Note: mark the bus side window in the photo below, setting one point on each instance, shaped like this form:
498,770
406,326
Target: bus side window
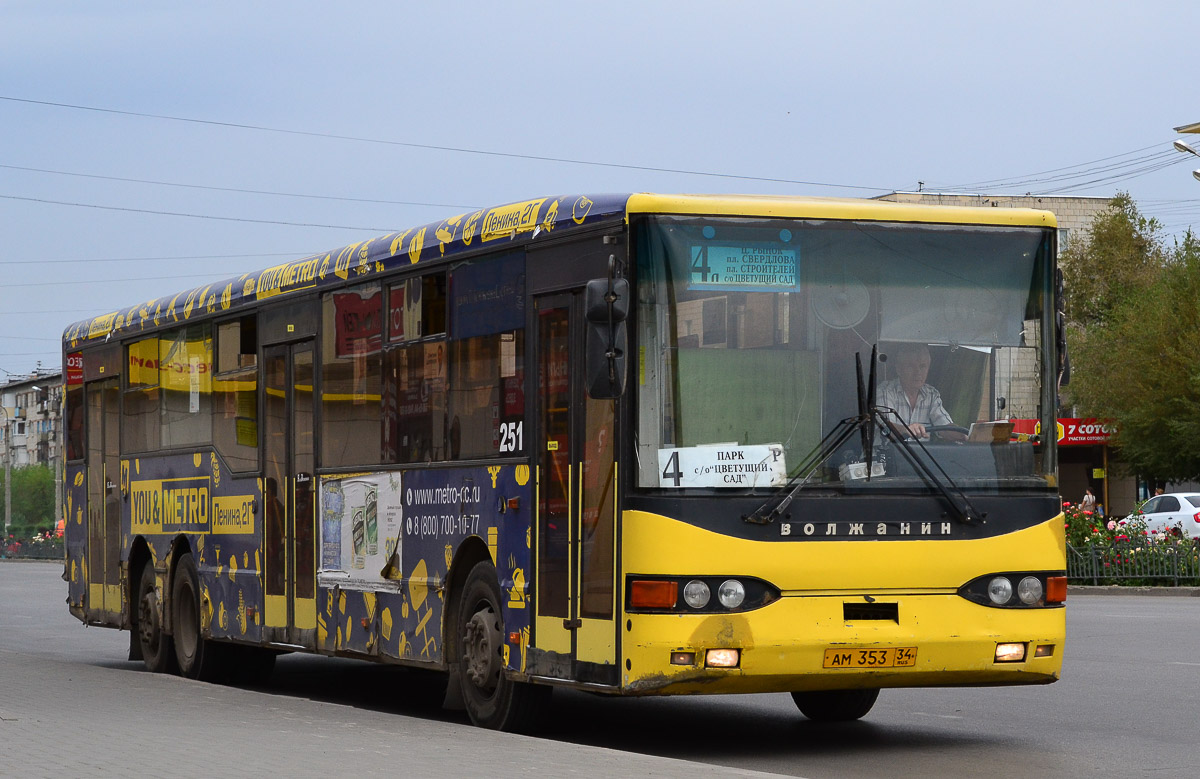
351,356
140,422
185,361
414,371
235,393
74,407
487,358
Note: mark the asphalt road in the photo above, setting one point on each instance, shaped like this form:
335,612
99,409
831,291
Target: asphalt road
71,705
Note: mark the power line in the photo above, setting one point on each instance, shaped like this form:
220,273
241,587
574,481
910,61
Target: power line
157,259
1033,177
196,216
1132,169
71,311
1124,176
1132,164
1127,169
434,147
61,283
235,189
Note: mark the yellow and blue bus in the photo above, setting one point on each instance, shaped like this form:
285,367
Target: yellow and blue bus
632,444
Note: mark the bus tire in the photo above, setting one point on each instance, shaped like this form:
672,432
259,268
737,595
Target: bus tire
197,658
158,650
492,699
835,705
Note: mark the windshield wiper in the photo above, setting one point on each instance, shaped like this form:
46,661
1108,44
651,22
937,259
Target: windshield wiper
831,443
964,510
869,419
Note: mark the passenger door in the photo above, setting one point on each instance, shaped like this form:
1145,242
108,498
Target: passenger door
289,495
105,598
576,506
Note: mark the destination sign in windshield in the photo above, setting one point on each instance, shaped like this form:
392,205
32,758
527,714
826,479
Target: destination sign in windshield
746,267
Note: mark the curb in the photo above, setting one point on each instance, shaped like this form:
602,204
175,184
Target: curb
1116,589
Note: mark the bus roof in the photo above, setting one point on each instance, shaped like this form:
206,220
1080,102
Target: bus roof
468,232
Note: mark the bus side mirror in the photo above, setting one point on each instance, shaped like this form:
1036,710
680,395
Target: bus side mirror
605,307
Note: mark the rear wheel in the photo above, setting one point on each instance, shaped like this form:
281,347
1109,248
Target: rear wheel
158,651
835,705
492,699
197,658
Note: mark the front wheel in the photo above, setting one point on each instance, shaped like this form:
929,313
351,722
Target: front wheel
835,705
492,699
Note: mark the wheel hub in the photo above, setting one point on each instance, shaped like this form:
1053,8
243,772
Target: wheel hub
148,629
481,649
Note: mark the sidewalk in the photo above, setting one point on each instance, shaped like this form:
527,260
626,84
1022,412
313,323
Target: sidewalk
1116,589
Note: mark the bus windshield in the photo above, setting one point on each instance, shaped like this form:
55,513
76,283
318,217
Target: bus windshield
749,333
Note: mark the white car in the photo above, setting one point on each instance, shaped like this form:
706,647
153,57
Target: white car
1163,512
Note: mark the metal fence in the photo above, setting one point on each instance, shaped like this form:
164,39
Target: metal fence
47,550
1165,562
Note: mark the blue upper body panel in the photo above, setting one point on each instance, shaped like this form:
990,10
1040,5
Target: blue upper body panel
458,235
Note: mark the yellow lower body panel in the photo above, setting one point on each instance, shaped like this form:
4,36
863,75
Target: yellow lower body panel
785,646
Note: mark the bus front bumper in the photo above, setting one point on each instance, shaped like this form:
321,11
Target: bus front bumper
803,642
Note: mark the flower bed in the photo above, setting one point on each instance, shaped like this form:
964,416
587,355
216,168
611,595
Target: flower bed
1123,551
43,546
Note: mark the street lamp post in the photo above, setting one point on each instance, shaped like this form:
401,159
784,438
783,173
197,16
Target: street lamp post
7,470
1187,149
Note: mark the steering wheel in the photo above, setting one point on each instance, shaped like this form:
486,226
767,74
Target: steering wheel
931,429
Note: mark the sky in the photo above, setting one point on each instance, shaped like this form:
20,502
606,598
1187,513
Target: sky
147,148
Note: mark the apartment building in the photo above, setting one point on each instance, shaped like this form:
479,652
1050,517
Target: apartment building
30,419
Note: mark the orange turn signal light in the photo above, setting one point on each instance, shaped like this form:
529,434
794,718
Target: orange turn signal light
653,594
1056,589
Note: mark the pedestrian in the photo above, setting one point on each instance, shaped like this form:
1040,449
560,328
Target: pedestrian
1088,504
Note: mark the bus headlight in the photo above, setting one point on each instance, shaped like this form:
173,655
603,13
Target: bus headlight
1030,591
999,590
696,594
1033,590
731,593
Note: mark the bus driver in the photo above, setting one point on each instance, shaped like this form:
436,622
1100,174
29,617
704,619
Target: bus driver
918,404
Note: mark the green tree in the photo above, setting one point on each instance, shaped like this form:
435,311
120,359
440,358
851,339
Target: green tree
32,497
1121,255
1135,323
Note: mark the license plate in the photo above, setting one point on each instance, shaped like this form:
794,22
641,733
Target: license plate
884,657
